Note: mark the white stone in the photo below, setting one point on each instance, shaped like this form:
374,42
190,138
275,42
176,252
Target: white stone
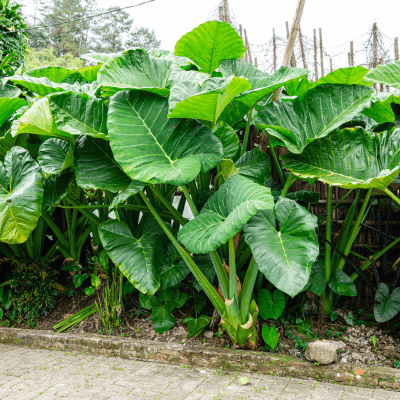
322,352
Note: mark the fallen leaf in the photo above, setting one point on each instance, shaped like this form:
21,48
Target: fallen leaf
244,380
359,371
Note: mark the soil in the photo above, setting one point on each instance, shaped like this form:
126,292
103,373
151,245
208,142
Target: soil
137,323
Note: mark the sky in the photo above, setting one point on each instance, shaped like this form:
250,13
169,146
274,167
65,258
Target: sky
340,20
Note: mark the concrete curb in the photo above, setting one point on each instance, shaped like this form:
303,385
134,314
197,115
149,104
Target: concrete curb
203,357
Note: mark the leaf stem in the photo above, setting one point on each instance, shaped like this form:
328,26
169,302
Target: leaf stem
292,179
328,234
232,271
190,201
246,134
276,162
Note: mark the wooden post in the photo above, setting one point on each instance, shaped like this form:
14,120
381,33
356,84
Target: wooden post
321,49
352,54
375,49
315,57
291,42
226,11
255,62
221,13
349,57
396,49
293,62
247,45
241,31
303,53
381,85
331,64
274,44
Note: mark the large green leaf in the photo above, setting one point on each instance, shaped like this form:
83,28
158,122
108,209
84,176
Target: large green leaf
90,73
342,284
317,283
381,109
21,196
284,254
389,305
234,113
137,259
161,314
350,158
270,335
262,83
99,57
210,43
133,188
9,106
135,69
172,271
344,76
312,115
388,74
56,187
179,75
95,166
38,120
229,139
7,141
55,155
79,114
224,214
205,102
151,148
254,165
271,306
54,74
9,91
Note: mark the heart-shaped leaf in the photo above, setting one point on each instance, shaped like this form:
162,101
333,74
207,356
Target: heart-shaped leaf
312,115
229,139
154,149
207,101
21,196
95,167
388,74
135,69
137,259
318,278
389,305
78,279
54,74
342,285
271,306
224,214
196,325
210,43
90,73
79,114
89,290
9,102
171,271
285,254
262,84
270,335
161,315
350,158
56,187
55,155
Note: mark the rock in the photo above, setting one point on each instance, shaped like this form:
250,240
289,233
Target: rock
153,334
337,343
321,352
208,334
181,331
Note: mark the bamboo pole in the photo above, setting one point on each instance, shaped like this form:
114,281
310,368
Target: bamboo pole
303,53
396,49
241,31
321,49
331,65
293,62
381,85
248,51
291,42
274,44
315,57
375,49
255,62
352,53
226,11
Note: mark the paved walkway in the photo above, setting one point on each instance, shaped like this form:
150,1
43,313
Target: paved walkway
50,375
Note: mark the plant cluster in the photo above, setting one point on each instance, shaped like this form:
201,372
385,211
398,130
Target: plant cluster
112,146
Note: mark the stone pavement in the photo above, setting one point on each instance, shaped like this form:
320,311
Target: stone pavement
49,375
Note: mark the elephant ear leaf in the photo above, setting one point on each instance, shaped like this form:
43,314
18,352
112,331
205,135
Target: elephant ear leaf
344,76
207,101
312,115
210,43
151,148
21,196
54,74
224,214
229,139
285,254
171,271
56,187
135,69
137,259
55,155
271,306
388,74
96,168
79,114
342,285
372,160
262,84
9,102
389,305
317,283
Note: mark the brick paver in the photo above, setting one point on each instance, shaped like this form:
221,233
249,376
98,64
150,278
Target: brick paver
49,375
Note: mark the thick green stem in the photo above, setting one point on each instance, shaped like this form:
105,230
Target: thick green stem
89,215
232,271
211,293
29,247
354,231
292,179
276,162
59,235
246,134
392,195
190,201
177,217
247,290
328,234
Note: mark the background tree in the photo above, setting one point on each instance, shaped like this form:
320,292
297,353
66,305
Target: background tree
12,42
112,30
143,37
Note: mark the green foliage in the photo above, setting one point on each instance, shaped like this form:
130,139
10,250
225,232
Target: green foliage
271,306
196,325
34,289
270,335
45,57
388,305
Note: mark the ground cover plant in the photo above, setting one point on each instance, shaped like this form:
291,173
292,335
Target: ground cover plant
99,166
